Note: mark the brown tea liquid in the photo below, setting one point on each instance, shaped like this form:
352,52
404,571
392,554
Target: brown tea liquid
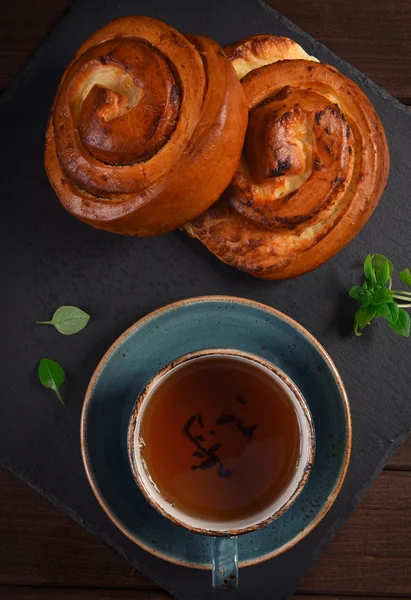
221,439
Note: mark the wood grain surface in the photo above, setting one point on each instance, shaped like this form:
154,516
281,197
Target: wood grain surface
371,554
43,553
373,35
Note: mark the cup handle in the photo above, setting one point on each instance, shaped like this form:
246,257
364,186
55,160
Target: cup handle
225,562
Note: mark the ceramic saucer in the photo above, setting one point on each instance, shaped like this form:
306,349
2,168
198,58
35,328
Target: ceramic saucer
158,339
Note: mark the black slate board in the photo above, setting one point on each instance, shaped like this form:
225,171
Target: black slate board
48,258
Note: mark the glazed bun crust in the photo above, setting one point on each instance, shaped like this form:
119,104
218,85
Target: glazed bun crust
146,129
314,165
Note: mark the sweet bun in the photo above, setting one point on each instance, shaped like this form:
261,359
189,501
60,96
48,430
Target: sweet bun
146,129
314,165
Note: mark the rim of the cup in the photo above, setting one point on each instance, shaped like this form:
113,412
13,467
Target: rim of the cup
259,362
342,471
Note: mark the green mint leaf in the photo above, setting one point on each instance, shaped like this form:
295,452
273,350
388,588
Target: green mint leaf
367,289
369,270
382,310
393,309
402,324
377,299
357,293
51,375
405,277
381,295
364,316
68,320
366,299
383,268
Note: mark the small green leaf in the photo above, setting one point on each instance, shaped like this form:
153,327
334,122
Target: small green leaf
381,295
382,310
369,269
364,316
383,268
68,320
377,299
393,310
51,375
366,300
402,324
357,293
405,277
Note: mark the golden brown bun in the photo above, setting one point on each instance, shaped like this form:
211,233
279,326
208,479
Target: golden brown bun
146,129
314,166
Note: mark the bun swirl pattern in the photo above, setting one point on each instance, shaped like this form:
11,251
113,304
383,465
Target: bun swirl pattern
146,129
314,165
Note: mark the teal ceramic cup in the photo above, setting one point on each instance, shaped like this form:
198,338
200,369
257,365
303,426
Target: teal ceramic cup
224,533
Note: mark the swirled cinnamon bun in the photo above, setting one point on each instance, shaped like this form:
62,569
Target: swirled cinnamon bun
314,165
146,129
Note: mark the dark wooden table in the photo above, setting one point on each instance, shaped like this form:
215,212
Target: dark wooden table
43,553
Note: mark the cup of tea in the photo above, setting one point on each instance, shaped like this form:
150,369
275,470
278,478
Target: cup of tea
221,442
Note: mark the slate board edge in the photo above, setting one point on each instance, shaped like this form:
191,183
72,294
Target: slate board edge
15,85
366,81
392,444
392,447
63,507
